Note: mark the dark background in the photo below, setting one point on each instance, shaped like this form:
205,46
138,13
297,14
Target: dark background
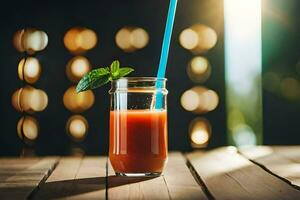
106,18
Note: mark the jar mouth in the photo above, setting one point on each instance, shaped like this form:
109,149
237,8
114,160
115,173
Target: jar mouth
139,85
142,78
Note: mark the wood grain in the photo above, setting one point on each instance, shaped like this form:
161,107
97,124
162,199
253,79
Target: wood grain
282,161
180,182
20,177
136,188
75,178
228,175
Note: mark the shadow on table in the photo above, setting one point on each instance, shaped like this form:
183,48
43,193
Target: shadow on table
66,188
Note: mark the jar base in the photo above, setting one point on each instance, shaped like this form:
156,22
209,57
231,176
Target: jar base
150,174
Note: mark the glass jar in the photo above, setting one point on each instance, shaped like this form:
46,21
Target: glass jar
138,141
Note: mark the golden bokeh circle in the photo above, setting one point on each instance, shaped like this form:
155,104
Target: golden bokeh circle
77,127
199,69
77,67
30,40
80,39
130,39
28,128
34,40
29,99
29,69
198,38
188,39
78,102
199,132
199,100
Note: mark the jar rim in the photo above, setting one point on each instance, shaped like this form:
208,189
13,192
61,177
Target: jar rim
142,78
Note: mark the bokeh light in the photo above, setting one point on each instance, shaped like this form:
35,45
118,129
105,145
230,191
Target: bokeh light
29,69
199,69
28,128
15,99
130,39
80,39
243,135
199,100
198,38
30,40
190,100
77,67
29,99
189,39
290,88
77,127
18,40
78,102
200,132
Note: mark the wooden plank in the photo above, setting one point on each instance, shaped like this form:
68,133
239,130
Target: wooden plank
181,183
228,175
60,182
290,152
75,178
282,161
24,177
90,182
136,188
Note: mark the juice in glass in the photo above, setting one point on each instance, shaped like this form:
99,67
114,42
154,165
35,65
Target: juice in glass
138,144
138,141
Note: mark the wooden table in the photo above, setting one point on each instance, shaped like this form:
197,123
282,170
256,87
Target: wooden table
224,173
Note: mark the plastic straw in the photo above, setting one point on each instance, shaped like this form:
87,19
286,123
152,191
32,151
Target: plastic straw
165,50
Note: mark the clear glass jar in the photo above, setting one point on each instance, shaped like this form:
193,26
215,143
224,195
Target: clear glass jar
138,141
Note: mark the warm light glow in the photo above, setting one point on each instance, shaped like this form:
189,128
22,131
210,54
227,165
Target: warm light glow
18,40
29,99
78,102
87,39
188,39
123,38
210,99
199,69
257,152
77,127
27,128
79,39
243,65
200,132
130,39
190,100
15,100
207,37
29,69
38,100
34,40
77,68
198,38
139,38
199,136
199,100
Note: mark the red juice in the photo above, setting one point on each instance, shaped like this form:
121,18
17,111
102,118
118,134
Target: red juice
138,141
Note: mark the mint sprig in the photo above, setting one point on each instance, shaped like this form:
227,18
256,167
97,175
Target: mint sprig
101,76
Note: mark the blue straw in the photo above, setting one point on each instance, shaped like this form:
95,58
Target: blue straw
165,51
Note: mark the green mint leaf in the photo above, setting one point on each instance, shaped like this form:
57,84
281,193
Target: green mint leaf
124,71
114,68
101,76
94,79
